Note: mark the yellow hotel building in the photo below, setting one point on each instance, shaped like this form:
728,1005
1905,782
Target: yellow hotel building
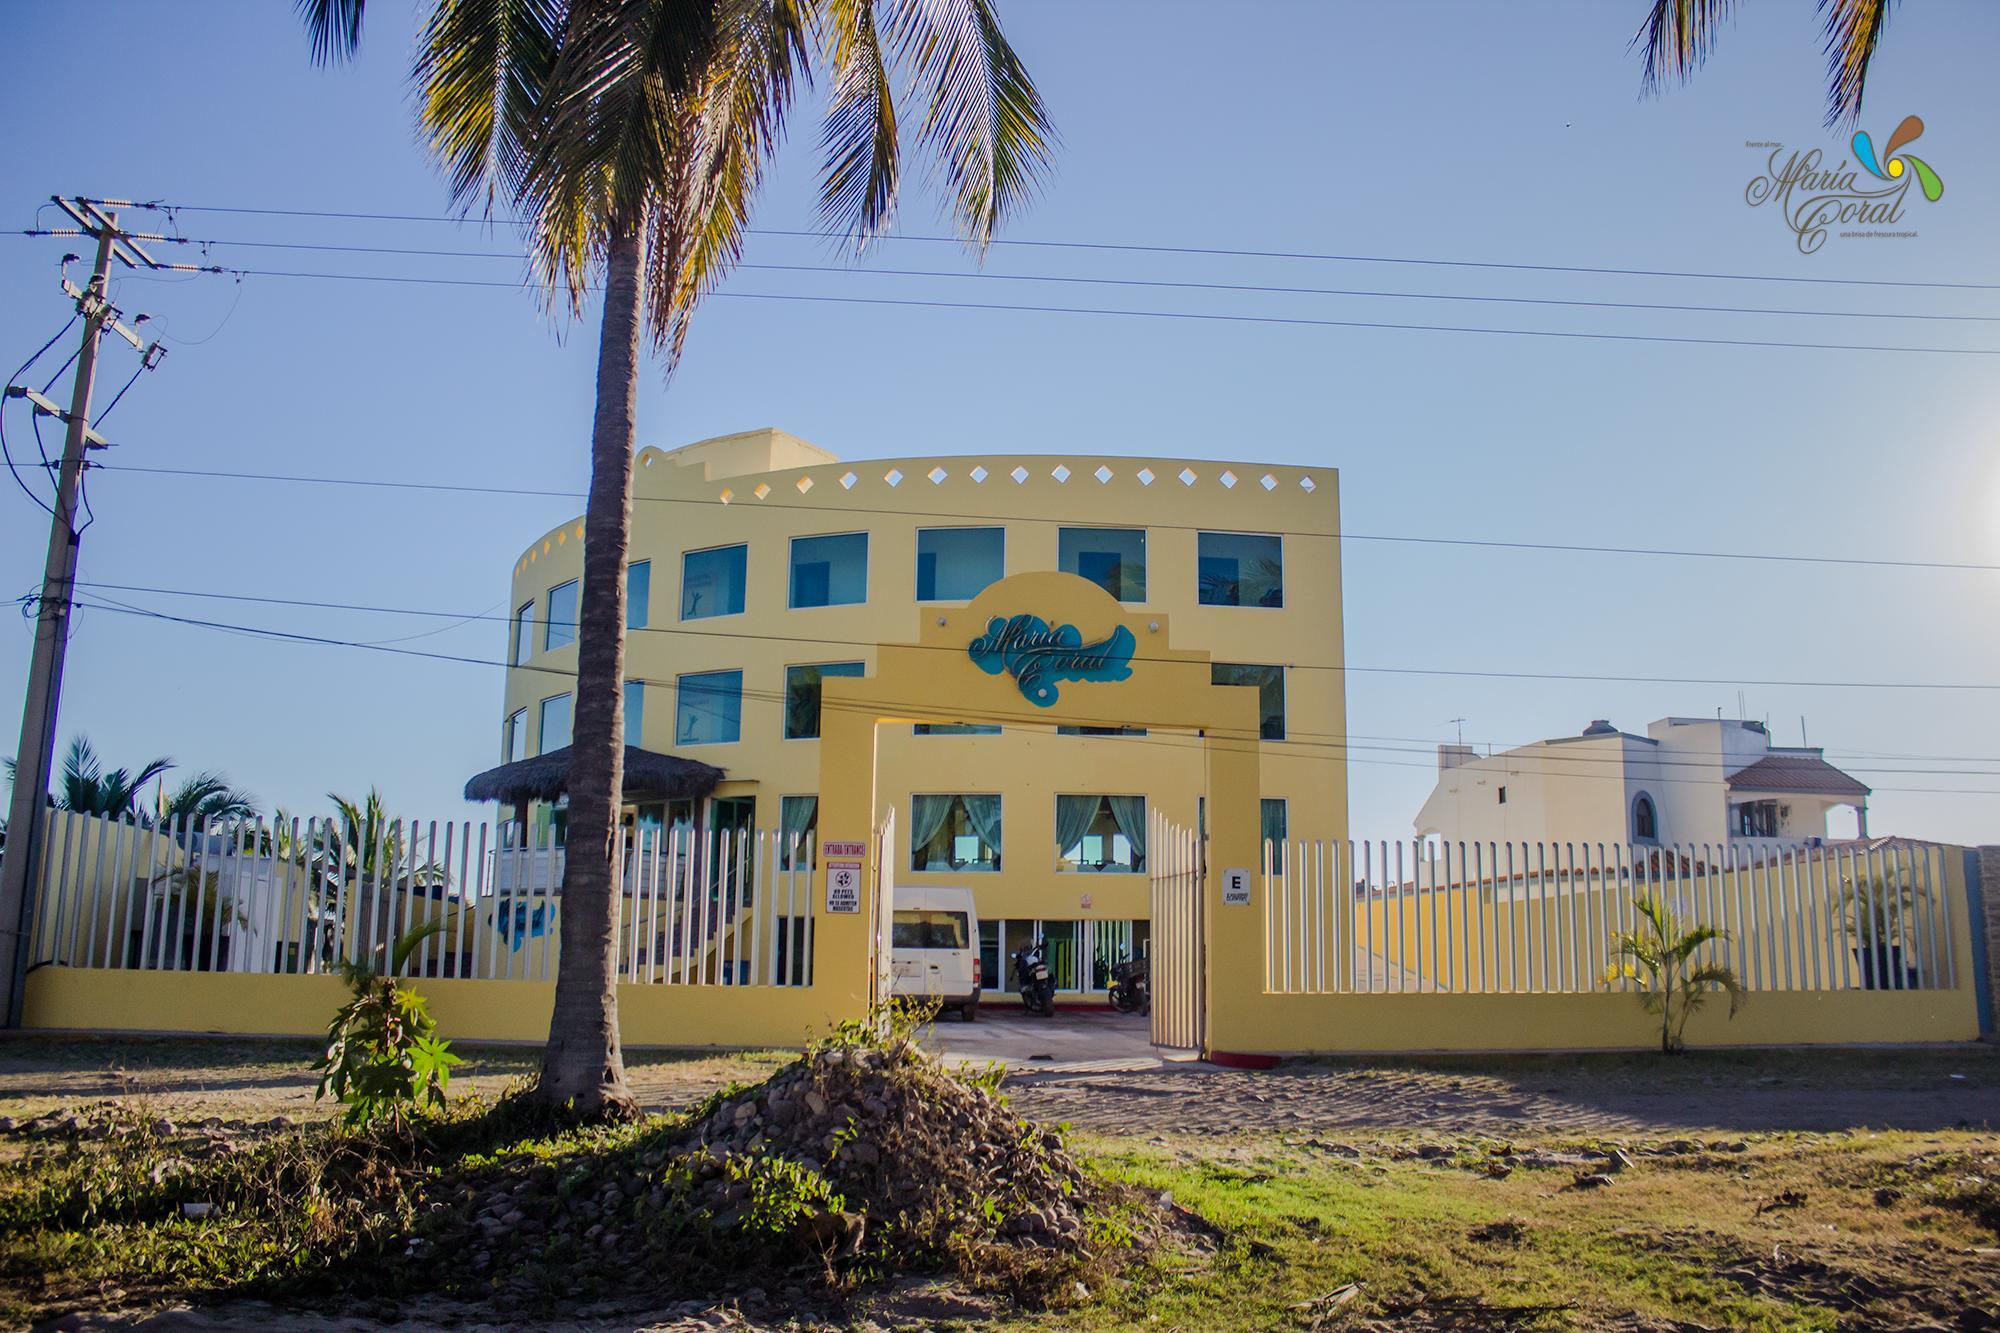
761,564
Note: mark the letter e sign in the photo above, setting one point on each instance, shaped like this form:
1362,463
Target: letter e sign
1236,888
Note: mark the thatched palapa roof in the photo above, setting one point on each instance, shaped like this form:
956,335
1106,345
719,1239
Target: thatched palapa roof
545,777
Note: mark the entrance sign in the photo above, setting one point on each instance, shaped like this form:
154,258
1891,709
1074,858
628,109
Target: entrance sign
1236,888
1037,655
843,849
843,886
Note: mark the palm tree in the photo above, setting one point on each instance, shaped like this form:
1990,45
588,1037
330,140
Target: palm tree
207,795
1660,956
1678,36
87,789
631,137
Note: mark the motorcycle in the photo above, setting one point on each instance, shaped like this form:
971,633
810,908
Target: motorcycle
1131,987
1031,978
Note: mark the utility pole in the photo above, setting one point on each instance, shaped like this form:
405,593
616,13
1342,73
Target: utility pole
35,757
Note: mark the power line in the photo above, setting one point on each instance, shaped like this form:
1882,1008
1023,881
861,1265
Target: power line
684,632
1132,248
903,708
1088,280
990,516
1288,321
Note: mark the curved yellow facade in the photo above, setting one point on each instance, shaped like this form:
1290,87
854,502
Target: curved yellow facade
1202,527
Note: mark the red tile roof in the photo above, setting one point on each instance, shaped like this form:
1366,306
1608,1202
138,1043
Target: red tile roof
1802,774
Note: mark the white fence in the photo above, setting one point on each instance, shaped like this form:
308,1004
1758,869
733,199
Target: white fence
695,907
1387,918
1177,944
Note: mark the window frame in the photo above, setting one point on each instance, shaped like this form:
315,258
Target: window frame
792,570
817,702
711,550
997,858
917,573
1201,584
635,718
1145,559
524,632
1653,808
639,610
550,622
1063,864
680,687
1284,719
515,728
542,745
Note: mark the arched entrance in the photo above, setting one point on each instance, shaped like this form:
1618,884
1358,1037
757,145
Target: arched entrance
1039,652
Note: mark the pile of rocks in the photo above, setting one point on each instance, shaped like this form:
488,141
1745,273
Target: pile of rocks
113,1119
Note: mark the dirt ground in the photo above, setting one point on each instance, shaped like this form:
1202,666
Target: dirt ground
1910,1088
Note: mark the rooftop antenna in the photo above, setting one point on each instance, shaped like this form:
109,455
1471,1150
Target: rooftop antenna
1804,744
1460,723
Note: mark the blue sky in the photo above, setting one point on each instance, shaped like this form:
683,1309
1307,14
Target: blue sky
1466,131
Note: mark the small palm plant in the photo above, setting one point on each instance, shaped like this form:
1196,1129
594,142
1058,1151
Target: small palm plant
1880,913
1660,956
383,1056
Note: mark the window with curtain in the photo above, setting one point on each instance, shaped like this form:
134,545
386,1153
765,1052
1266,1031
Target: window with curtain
713,581
802,696
555,720
1273,824
798,821
957,564
1112,558
1270,683
1240,569
635,711
954,729
560,628
829,571
955,832
638,593
709,709
517,736
1101,834
524,633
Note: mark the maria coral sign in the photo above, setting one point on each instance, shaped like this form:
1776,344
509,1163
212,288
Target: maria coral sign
1038,655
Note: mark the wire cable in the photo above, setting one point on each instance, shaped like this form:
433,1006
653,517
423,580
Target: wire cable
6,453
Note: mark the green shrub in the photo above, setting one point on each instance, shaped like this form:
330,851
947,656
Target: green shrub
383,1056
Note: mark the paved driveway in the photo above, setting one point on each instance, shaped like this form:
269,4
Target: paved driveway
1072,1042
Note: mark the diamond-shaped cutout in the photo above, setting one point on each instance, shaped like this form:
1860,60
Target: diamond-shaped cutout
978,475
1229,480
561,537
1306,485
763,490
647,461
804,484
1188,476
937,475
1103,474
1060,472
1268,482
1019,474
894,476
727,495
848,481
1146,476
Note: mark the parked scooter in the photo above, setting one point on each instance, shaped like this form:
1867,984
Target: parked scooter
1031,978
1131,989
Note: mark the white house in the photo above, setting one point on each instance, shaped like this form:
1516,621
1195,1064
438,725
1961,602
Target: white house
1687,780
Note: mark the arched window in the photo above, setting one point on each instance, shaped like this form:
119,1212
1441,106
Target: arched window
1645,820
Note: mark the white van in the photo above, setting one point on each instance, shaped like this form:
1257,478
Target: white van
934,948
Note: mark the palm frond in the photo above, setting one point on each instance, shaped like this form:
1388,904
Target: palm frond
334,26
1719,976
1853,27
985,123
1678,36
482,70
858,142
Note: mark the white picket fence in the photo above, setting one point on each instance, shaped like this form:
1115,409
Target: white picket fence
695,907
1389,918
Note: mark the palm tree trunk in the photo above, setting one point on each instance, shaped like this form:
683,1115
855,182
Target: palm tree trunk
583,1066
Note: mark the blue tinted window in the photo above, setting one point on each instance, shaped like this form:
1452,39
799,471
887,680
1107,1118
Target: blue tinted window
709,710
830,571
555,722
1270,683
524,633
561,626
635,711
956,564
638,593
517,737
1241,569
1112,558
712,582
802,696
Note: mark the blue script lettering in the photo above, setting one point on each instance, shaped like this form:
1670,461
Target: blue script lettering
1037,656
